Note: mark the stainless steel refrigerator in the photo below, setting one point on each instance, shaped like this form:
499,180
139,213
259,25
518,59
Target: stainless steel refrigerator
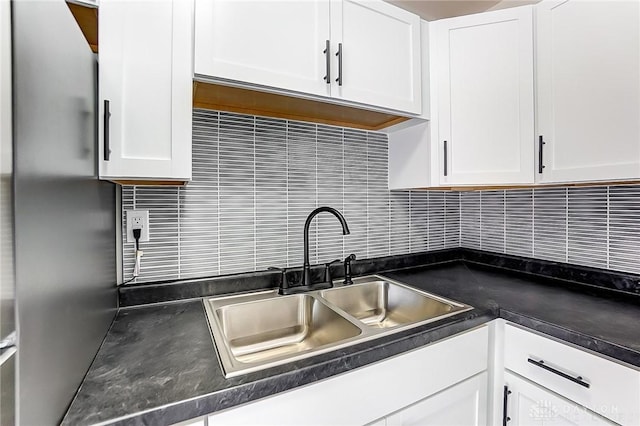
7,282
63,218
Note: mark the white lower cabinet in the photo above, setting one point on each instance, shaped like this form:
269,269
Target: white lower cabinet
530,404
461,404
589,380
454,382
374,392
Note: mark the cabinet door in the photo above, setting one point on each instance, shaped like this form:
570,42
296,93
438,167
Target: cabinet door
379,46
588,89
278,44
462,404
529,404
145,76
484,91
370,393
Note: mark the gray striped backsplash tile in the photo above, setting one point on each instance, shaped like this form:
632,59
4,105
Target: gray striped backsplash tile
256,179
624,228
519,226
471,220
590,226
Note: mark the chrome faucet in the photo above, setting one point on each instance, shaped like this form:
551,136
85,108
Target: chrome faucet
306,268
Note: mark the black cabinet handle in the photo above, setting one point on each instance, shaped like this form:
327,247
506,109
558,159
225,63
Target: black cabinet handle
542,365
505,400
107,116
339,55
445,158
541,143
327,58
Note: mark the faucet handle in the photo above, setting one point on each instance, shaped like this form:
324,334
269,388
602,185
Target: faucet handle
327,271
284,284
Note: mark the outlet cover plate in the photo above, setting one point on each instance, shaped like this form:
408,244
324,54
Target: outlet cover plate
137,218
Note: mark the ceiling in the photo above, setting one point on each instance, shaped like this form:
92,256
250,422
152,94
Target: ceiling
432,10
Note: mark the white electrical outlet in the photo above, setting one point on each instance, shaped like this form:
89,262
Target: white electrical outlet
137,219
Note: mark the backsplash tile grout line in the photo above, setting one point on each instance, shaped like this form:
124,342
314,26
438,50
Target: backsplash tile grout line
504,220
608,227
533,222
367,193
255,207
566,190
178,205
288,153
460,219
218,192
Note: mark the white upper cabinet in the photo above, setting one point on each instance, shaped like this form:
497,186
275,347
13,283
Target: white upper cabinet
483,66
278,44
145,89
377,49
588,90
353,51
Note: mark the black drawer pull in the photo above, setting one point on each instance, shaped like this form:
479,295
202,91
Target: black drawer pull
541,144
327,58
444,149
107,146
339,55
577,380
505,409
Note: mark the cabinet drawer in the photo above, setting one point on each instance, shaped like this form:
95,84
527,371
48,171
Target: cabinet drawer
603,386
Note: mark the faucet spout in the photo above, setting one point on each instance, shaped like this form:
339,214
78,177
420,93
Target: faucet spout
306,274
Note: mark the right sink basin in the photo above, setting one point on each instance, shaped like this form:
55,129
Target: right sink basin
383,304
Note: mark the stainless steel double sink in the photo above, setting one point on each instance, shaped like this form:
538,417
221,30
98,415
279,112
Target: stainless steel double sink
258,330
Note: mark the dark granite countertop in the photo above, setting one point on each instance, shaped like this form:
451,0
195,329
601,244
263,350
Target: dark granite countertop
158,364
604,322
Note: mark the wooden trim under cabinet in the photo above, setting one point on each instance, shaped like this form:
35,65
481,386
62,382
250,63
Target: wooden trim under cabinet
134,182
253,102
87,19
530,186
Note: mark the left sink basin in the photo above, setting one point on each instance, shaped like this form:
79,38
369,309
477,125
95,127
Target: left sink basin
254,332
